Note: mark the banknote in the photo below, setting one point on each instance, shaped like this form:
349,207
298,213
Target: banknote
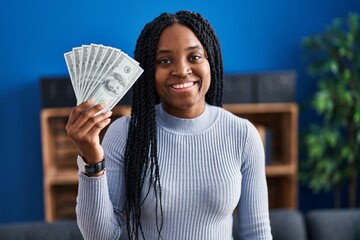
84,56
101,73
89,64
69,64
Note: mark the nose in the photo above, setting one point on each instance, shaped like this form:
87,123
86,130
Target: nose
181,69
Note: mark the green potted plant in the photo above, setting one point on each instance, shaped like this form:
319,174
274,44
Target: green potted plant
332,144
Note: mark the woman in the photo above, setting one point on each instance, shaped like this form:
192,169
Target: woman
180,164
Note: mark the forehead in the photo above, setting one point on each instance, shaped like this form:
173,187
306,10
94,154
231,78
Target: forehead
177,35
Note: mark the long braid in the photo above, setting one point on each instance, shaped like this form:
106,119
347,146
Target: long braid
141,157
134,169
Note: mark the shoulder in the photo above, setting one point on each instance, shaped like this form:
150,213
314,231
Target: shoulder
234,121
239,127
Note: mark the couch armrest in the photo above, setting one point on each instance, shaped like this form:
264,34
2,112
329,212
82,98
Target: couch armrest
61,230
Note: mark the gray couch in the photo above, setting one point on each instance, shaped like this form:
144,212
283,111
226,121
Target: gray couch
285,225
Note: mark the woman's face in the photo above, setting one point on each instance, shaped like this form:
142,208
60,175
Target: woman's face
182,72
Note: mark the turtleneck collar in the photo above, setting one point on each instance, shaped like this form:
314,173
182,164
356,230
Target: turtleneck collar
185,125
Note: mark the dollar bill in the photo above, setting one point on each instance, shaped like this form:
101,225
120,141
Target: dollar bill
99,51
116,83
84,57
93,71
70,65
100,60
88,66
77,59
101,73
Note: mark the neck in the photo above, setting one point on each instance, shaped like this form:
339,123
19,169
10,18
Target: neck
186,112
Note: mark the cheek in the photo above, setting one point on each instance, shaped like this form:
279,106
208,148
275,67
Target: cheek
157,76
206,76
158,79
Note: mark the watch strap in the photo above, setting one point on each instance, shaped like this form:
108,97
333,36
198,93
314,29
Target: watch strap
95,168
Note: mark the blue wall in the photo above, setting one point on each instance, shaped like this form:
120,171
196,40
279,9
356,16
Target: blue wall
255,36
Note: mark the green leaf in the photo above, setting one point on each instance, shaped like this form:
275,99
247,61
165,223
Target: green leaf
356,117
333,66
323,102
331,138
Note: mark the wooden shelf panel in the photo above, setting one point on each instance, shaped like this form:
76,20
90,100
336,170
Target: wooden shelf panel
64,201
59,177
47,113
282,191
262,108
281,170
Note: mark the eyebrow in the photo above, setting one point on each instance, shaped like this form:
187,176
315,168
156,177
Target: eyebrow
187,49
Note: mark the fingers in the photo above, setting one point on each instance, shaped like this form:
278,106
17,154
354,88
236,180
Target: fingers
95,124
84,126
76,111
85,123
84,112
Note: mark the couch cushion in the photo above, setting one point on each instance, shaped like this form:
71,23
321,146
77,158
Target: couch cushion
287,224
62,230
334,224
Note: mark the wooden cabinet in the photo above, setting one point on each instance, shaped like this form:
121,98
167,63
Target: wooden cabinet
60,169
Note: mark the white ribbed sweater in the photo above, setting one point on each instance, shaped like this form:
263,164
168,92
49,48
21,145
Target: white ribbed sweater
208,166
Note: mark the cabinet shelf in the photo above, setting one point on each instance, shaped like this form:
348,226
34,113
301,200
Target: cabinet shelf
63,177
280,170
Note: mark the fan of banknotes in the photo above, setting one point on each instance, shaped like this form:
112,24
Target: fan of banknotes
101,73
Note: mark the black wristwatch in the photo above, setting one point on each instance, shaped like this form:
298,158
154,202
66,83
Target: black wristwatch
90,168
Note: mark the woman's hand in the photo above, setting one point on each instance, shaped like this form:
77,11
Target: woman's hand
84,127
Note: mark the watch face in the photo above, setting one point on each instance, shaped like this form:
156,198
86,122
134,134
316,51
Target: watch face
81,164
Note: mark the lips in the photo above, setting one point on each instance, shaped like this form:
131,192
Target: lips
183,85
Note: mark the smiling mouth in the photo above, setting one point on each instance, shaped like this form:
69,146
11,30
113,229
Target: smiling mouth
183,85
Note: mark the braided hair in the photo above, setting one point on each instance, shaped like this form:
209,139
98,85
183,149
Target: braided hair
141,158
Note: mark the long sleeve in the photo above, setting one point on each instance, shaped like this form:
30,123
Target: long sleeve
101,200
253,213
95,215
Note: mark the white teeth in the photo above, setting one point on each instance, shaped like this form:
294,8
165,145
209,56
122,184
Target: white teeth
185,85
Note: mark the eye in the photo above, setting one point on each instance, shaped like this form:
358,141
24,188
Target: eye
195,58
164,61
